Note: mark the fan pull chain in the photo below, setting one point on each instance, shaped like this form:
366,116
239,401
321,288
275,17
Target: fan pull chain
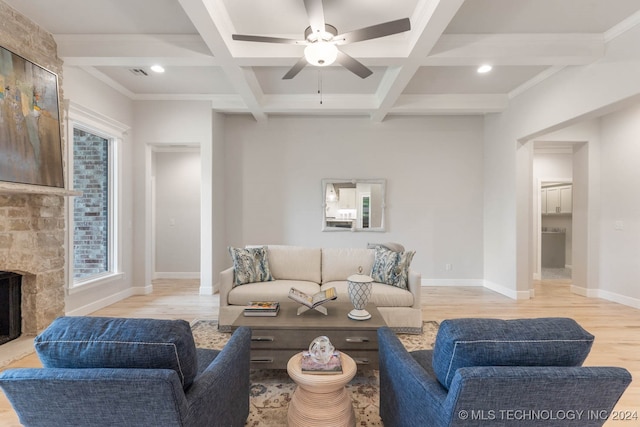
320,85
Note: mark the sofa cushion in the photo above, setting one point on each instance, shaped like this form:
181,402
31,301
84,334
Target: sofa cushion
250,265
494,342
294,263
104,342
340,263
382,295
392,267
278,290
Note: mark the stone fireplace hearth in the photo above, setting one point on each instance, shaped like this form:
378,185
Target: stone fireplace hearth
32,236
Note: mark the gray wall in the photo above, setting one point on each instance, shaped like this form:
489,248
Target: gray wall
162,124
433,168
177,214
620,206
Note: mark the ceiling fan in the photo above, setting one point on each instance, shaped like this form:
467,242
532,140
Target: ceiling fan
322,40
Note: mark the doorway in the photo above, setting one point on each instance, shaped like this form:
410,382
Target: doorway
556,230
176,212
553,212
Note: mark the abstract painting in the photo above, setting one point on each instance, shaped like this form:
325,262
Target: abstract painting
30,142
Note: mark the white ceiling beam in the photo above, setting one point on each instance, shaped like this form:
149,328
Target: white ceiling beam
186,46
450,50
331,104
365,104
516,49
138,61
450,104
428,22
212,22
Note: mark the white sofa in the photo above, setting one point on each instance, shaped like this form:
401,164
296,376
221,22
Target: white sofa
313,269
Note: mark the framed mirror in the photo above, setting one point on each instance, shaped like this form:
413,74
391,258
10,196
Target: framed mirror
353,205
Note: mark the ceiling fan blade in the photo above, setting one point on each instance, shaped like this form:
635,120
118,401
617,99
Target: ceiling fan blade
315,12
248,38
353,65
374,31
295,69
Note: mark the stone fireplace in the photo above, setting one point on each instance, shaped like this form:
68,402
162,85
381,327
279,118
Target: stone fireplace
32,236
32,220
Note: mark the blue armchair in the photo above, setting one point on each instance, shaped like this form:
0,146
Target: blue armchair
484,372
130,372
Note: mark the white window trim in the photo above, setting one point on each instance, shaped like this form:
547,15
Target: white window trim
79,117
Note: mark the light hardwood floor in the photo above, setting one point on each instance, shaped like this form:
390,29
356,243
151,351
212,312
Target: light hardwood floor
616,327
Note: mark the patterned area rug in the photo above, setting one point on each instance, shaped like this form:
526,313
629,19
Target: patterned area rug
271,390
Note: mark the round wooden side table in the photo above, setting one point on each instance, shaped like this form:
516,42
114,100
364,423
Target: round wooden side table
321,400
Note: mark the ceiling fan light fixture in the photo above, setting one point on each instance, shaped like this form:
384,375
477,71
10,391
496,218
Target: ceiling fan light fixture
321,53
484,68
329,33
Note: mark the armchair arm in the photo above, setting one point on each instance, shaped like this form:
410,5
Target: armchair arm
226,284
106,396
415,287
576,396
409,396
220,394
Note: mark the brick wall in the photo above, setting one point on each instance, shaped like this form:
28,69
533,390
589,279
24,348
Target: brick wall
32,226
25,38
90,215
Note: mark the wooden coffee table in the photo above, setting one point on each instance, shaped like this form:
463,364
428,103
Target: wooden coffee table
274,340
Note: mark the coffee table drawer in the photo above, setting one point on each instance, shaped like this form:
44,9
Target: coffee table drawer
277,359
299,339
365,359
271,359
350,340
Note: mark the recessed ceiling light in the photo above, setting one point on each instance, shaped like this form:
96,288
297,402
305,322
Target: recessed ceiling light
485,68
157,68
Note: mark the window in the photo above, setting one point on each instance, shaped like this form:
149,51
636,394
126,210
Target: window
91,211
92,159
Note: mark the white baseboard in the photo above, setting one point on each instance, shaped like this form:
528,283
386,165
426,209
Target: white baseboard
518,295
452,282
479,283
513,294
620,299
207,290
111,299
176,275
606,295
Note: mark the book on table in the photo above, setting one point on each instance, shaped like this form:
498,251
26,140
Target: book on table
262,308
313,301
309,365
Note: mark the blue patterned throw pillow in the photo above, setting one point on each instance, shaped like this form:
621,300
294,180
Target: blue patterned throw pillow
392,267
250,265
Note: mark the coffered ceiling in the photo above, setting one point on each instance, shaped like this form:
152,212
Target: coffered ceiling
430,69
